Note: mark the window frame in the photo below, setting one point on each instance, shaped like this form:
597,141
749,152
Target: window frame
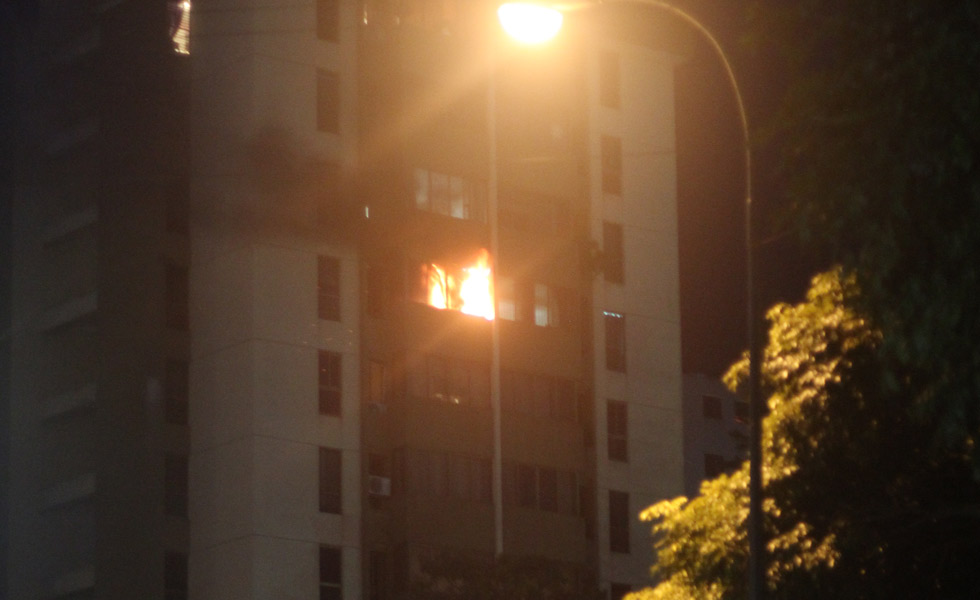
330,377
330,480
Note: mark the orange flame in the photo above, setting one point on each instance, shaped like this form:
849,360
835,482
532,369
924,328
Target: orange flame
476,291
468,290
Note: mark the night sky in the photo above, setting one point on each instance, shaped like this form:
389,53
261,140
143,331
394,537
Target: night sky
710,195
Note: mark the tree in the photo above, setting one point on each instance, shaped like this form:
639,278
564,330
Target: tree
858,503
462,577
879,143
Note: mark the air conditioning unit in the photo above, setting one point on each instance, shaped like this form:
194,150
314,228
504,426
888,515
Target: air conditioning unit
379,486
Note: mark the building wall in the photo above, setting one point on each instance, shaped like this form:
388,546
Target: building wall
715,430
258,163
648,298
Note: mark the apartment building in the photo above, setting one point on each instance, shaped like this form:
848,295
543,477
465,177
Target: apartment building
304,294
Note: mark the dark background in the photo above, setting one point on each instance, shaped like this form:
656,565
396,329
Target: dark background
711,203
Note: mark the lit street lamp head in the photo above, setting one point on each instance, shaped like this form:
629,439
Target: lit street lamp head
529,23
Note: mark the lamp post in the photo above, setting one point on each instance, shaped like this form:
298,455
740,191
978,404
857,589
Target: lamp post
536,23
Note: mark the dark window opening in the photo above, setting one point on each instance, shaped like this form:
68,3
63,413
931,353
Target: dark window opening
612,165
616,426
327,101
331,571
177,289
175,485
328,288
330,376
328,20
615,325
330,479
619,521
714,465
609,79
175,576
711,406
612,252
176,391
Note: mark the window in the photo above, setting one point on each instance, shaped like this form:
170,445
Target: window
175,485
609,79
328,20
177,207
330,573
327,101
615,341
527,486
617,591
545,305
538,394
175,392
330,375
616,427
612,165
506,299
548,489
377,393
176,293
619,521
741,411
328,287
449,195
541,488
377,290
711,407
175,576
612,252
378,575
714,465
452,381
330,474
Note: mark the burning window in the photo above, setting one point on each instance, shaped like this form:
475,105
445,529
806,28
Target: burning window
464,288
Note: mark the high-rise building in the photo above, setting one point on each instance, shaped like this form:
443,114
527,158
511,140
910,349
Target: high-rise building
303,295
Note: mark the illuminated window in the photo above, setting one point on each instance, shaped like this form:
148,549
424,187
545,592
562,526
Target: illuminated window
328,288
612,252
454,381
612,165
616,427
327,101
449,195
615,325
463,288
619,521
506,300
180,25
329,480
330,573
329,383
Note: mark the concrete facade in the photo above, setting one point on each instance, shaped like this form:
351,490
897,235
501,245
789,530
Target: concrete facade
181,230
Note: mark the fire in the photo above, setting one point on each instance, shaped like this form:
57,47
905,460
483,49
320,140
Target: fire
476,290
468,289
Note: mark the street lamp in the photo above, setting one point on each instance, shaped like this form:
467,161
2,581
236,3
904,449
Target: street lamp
533,23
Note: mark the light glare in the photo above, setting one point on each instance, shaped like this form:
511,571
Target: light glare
529,23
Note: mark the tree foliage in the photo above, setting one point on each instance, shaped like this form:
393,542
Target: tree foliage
858,503
879,139
462,577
